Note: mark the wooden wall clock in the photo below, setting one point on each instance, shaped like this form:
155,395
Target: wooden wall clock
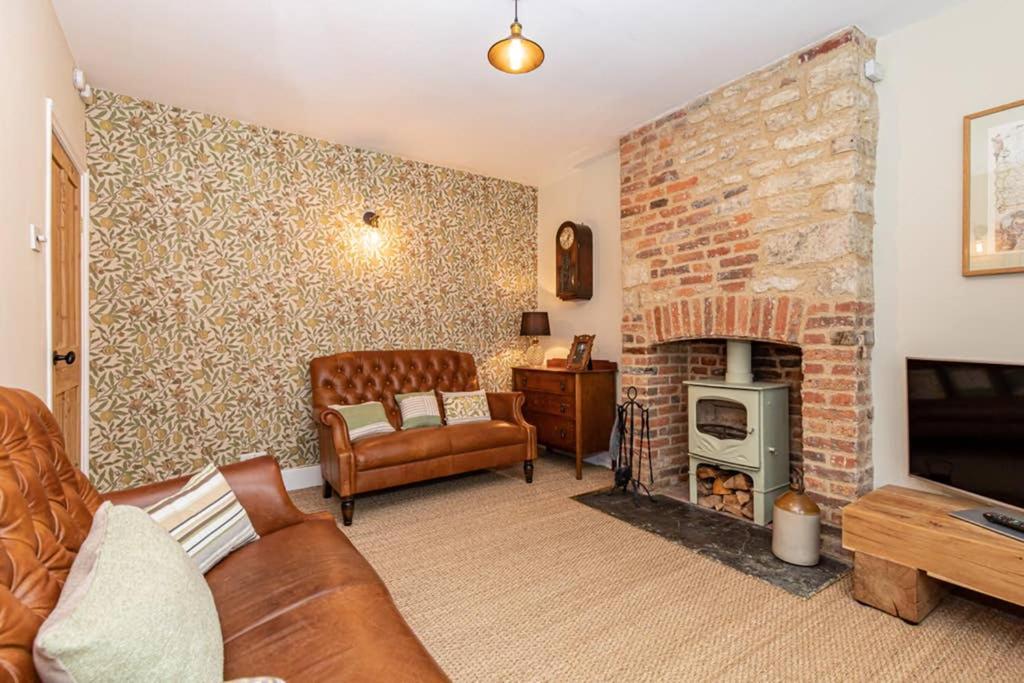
574,262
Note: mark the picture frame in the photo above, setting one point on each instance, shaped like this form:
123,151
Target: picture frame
993,191
579,352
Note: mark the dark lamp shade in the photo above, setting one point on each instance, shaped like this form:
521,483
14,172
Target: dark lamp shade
534,324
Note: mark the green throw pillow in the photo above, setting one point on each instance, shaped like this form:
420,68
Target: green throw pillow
134,608
364,419
419,409
465,406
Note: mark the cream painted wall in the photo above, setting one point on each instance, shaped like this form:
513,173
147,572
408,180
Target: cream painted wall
37,65
961,61
589,195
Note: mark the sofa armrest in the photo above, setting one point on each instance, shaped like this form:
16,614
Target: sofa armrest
337,463
507,406
257,484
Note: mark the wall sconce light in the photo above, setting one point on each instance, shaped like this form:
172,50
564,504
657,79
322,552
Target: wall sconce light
372,239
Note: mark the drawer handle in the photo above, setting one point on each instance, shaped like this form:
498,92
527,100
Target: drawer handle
561,433
562,408
561,386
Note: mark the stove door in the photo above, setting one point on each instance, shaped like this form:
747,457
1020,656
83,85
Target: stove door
725,425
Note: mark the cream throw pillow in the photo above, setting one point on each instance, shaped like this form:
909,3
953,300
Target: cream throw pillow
134,608
465,406
206,518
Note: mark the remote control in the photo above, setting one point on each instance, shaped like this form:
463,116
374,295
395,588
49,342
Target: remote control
1014,523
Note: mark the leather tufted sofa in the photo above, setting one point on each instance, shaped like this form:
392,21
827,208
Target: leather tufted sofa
404,457
300,603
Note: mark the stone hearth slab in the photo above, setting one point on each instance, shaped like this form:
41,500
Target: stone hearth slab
733,542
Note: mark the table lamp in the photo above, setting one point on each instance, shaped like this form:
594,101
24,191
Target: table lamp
535,324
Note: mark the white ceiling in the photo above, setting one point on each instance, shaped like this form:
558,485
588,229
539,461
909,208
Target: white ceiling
411,77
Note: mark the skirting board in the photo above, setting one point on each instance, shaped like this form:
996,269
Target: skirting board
301,477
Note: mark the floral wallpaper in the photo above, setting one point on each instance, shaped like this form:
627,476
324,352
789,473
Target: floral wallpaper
224,256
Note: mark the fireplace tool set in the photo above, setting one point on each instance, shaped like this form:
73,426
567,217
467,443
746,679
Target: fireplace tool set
633,427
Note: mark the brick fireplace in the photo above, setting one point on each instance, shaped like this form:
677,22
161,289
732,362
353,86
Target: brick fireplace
747,214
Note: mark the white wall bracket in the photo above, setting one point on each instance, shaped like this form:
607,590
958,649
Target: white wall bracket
874,71
36,237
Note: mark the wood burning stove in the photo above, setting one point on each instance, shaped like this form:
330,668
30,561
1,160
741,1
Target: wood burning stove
742,425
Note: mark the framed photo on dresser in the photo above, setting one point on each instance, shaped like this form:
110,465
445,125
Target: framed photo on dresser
579,352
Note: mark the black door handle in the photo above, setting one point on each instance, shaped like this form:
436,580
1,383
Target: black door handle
68,357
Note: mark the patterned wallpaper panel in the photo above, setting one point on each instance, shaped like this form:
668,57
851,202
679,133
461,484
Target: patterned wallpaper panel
224,256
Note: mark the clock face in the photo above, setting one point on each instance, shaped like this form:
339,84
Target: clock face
565,238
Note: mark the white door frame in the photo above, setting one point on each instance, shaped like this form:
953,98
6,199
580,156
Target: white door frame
55,129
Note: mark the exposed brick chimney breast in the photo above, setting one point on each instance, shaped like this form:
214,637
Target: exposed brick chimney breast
748,214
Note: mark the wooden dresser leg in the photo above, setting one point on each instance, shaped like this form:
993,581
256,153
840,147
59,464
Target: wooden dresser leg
902,591
579,464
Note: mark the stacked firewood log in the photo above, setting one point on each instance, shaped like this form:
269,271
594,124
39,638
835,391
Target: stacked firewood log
727,490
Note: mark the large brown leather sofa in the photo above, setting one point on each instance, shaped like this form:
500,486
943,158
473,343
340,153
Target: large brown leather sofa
300,603
404,457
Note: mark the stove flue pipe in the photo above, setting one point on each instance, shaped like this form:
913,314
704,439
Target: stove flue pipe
737,358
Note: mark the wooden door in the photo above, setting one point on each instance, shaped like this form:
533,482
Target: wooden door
65,274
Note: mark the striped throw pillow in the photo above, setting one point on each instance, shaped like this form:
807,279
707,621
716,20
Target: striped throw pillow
364,419
465,406
206,518
419,409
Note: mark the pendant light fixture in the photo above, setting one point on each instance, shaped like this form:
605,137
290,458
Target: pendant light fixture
515,54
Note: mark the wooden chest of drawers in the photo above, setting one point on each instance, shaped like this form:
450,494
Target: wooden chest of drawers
573,411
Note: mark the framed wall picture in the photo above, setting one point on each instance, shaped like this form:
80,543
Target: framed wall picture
579,352
994,191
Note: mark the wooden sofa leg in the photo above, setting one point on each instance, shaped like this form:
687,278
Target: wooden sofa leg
528,470
328,491
348,506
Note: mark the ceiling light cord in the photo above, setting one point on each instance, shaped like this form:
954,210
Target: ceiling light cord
517,12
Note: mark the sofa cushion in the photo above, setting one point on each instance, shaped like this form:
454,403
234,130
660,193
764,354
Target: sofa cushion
419,409
461,407
134,608
385,450
479,436
205,517
282,570
302,604
364,420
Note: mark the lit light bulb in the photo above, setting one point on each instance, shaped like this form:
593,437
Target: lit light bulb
516,54
372,240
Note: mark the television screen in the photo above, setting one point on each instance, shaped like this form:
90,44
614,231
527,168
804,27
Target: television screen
966,424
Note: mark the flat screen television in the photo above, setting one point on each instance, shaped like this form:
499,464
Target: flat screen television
966,424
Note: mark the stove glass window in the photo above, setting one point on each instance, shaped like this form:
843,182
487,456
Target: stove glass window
722,418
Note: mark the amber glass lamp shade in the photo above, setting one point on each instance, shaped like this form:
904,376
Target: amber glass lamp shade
515,54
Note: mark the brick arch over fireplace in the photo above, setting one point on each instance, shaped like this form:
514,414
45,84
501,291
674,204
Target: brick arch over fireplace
777,319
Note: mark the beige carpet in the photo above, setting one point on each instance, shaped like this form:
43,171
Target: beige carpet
508,582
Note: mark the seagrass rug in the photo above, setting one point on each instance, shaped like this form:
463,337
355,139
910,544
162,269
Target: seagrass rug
504,581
